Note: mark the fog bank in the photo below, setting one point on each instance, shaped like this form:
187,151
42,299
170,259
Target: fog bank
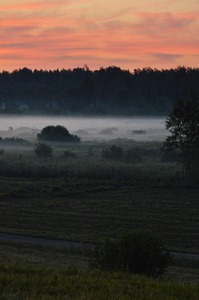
88,128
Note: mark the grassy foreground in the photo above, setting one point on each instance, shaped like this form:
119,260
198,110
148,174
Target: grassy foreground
36,282
85,199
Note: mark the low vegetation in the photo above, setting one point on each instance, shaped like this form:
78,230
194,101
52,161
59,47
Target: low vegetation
137,252
113,152
41,282
14,141
69,154
43,150
77,194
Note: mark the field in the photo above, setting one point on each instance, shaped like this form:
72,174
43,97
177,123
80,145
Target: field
22,282
85,198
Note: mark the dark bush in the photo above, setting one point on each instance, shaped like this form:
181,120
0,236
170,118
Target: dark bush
57,134
132,156
69,154
134,252
43,150
114,152
91,152
172,157
16,141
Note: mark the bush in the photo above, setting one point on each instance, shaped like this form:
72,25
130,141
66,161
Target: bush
91,152
57,134
43,150
16,141
132,156
69,154
135,252
114,152
171,157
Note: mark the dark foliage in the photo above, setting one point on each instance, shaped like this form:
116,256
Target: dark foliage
57,134
69,154
43,150
172,157
132,156
15,141
113,152
135,252
183,124
104,91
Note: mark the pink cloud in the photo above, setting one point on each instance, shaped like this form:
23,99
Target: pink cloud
56,32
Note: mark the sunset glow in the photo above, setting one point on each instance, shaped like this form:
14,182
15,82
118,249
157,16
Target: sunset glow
51,34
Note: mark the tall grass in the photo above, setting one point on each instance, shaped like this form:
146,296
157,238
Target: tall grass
145,171
31,282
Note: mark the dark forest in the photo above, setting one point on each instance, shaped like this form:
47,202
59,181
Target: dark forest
107,91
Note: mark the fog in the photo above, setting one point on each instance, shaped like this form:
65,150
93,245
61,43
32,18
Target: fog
88,128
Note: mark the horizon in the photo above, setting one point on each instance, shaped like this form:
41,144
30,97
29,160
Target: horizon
50,35
85,67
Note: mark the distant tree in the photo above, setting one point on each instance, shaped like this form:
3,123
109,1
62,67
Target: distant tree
57,134
183,124
108,90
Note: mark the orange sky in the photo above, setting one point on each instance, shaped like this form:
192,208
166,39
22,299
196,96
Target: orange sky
51,34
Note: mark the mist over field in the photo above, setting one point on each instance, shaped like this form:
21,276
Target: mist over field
88,128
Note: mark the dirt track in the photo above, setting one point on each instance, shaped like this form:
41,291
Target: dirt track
62,243
34,240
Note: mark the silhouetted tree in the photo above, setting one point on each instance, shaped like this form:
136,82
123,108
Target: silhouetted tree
183,124
108,90
57,134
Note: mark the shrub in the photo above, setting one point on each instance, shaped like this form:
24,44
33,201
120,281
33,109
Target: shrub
135,252
69,154
114,152
43,150
57,134
56,189
172,157
132,156
91,152
16,141
138,131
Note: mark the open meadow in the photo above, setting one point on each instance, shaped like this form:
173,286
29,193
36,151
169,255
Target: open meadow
82,194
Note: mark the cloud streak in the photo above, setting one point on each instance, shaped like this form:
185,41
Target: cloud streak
65,33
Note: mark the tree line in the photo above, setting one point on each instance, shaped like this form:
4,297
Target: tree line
107,91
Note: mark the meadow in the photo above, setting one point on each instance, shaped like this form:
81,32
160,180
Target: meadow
85,197
22,282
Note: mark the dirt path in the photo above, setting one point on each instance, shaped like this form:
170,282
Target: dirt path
62,243
41,241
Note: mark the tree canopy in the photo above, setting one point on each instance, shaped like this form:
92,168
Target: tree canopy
183,124
105,91
57,134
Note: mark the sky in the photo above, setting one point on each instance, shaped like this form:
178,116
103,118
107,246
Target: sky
130,34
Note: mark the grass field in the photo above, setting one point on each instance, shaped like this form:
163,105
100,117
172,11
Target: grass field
85,199
39,282
89,215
